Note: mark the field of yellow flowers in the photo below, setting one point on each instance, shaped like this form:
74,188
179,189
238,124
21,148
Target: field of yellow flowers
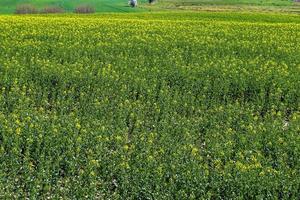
150,106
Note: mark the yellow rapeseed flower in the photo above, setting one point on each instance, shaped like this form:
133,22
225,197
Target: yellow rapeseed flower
18,131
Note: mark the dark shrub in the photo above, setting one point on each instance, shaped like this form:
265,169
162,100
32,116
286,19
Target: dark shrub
84,9
52,9
26,9
133,3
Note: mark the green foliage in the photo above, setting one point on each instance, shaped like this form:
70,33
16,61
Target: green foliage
161,106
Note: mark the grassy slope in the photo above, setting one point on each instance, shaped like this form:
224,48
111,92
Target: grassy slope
233,2
8,6
223,5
